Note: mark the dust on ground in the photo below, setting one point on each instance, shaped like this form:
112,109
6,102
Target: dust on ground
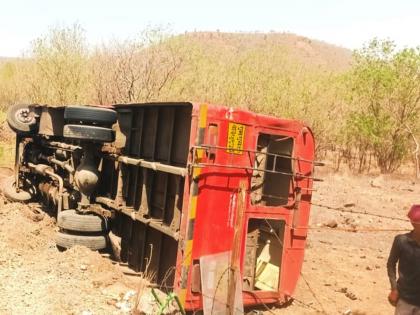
346,271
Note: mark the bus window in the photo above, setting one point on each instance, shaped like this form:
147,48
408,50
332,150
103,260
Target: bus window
270,183
263,254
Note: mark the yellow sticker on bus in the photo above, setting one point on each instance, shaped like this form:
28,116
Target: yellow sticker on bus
236,136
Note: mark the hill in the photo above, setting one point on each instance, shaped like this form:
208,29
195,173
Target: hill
309,51
279,74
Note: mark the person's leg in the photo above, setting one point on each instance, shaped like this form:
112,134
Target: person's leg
403,308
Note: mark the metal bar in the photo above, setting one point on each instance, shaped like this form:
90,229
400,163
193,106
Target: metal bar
176,194
205,146
236,248
298,175
132,183
158,195
149,135
152,223
107,202
46,170
137,120
274,163
147,182
156,166
60,188
273,197
63,164
134,215
129,125
165,135
65,146
17,162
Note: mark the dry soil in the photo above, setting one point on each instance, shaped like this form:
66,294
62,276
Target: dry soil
344,270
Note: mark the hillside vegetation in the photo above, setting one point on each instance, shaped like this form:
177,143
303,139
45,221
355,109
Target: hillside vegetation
363,106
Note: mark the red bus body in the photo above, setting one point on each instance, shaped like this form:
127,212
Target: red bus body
182,185
219,179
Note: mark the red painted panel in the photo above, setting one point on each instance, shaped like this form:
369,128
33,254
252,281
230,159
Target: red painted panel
218,186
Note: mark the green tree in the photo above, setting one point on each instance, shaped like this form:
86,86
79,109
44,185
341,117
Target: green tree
385,95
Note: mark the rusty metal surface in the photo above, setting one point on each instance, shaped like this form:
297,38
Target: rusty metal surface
145,183
51,121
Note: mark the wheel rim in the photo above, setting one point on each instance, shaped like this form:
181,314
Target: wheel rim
24,116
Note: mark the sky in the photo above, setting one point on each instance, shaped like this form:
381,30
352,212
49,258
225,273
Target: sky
346,23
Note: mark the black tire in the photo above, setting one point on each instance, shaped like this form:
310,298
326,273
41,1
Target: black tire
73,221
90,114
24,195
90,133
22,119
64,240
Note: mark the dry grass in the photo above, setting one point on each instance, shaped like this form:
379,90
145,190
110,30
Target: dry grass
7,154
279,74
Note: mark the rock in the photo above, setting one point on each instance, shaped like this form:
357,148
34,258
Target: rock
353,227
111,302
349,205
376,183
331,224
124,306
349,220
129,295
351,296
83,267
348,294
408,189
33,213
368,268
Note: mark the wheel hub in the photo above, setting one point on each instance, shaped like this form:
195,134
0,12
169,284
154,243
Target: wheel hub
24,116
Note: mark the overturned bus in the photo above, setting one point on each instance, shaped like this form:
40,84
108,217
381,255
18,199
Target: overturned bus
212,202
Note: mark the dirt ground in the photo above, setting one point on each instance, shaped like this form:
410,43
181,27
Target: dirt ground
36,278
344,272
